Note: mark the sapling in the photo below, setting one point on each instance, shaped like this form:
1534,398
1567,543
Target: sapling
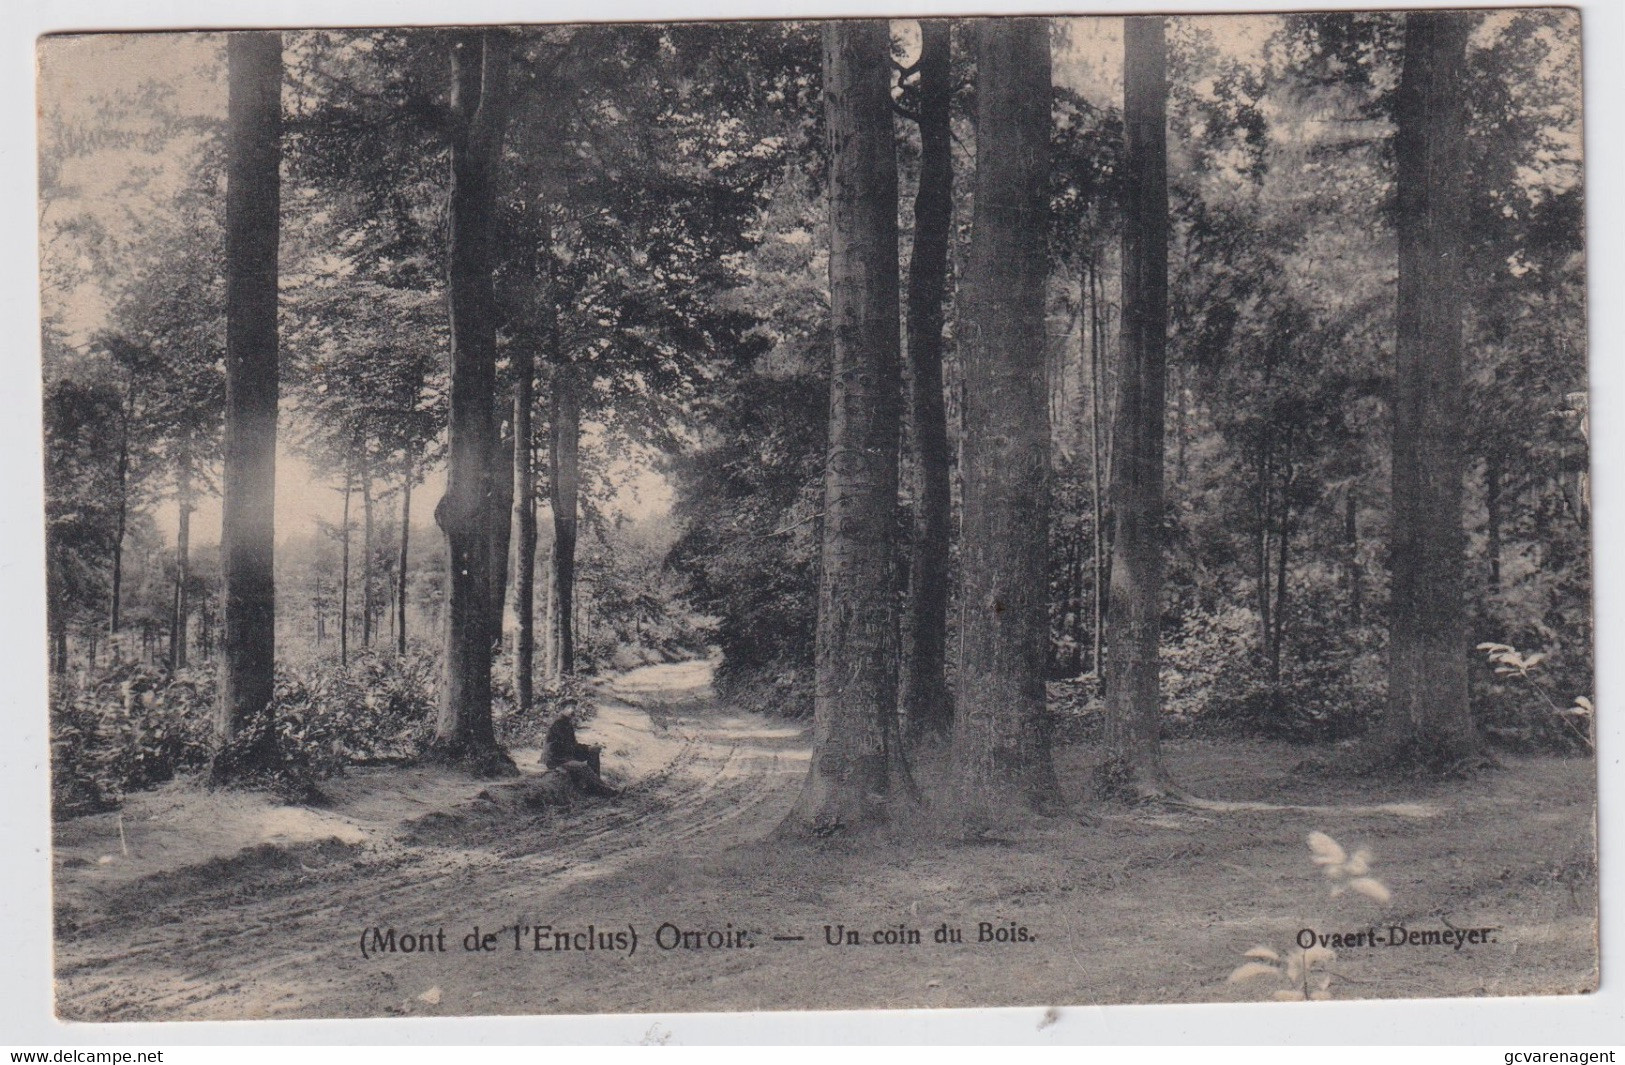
1576,717
1306,971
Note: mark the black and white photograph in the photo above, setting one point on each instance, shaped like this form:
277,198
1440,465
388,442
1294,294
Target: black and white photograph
833,514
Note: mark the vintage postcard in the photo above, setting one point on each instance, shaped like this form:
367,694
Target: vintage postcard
723,516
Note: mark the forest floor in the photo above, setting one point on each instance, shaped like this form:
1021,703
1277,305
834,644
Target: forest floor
197,905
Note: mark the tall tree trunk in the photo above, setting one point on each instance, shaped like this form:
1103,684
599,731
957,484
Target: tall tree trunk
344,575
1278,640
1351,550
1180,429
1001,743
121,518
1134,764
925,701
564,461
1097,388
464,732
550,653
183,543
408,473
500,513
1428,722
524,516
1492,514
855,701
247,538
1261,569
59,647
368,606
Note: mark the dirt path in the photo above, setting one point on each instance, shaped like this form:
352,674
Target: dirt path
228,907
273,931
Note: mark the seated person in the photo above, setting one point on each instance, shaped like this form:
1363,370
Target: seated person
581,761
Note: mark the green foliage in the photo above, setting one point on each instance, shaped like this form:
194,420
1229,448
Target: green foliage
130,728
134,726
514,730
1514,721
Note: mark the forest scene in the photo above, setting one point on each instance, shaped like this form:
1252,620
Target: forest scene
1017,511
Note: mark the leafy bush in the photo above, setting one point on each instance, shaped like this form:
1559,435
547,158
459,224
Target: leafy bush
137,726
132,727
784,689
1331,684
514,729
1512,718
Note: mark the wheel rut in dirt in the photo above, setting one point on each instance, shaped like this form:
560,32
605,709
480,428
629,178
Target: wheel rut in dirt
268,932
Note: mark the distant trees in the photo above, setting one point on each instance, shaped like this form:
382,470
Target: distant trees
1428,722
855,726
247,538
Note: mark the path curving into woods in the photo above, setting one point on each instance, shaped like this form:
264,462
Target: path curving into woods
274,929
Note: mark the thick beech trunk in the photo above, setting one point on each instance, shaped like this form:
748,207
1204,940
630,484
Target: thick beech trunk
1428,722
925,702
855,754
1133,696
247,538
1001,743
464,732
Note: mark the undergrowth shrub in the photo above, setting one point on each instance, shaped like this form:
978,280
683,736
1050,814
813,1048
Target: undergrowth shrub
514,729
1331,686
133,726
1214,678
136,726
783,689
1524,703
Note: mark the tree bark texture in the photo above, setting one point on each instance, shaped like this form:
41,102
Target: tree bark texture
247,537
368,604
500,511
1134,613
855,699
479,102
524,517
1428,723
122,479
1097,477
408,472
1492,519
925,701
564,459
183,544
1001,745
344,574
